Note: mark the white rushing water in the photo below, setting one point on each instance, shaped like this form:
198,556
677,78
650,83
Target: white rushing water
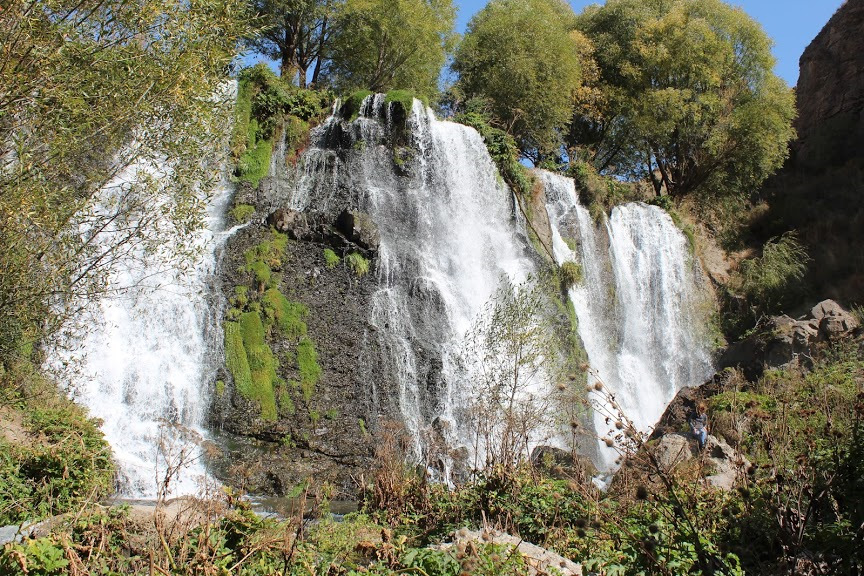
448,241
638,306
148,353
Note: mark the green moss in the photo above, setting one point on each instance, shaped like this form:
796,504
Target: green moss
352,104
571,274
331,258
307,365
236,359
315,416
571,243
289,317
241,296
220,387
262,272
401,102
242,213
254,164
252,329
286,403
233,314
357,263
331,414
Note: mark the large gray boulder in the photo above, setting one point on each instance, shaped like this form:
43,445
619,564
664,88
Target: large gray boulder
539,561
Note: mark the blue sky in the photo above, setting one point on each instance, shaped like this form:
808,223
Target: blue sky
792,24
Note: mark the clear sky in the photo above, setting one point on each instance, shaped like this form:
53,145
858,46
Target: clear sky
792,24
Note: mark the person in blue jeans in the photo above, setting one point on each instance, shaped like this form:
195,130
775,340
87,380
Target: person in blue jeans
699,424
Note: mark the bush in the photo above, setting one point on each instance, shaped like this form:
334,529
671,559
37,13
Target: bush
768,281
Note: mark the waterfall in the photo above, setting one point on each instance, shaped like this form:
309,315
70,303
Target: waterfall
638,306
145,360
448,241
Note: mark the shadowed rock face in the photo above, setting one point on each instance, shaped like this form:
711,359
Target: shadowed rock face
830,91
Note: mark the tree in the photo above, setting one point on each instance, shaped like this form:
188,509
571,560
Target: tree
384,44
514,360
95,92
523,57
295,32
684,96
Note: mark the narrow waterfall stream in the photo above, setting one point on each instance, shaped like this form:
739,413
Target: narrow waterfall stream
638,306
146,360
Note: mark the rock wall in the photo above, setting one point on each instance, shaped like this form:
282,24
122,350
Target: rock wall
830,91
818,193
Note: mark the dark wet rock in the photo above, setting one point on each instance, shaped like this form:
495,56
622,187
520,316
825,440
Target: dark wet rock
326,438
359,228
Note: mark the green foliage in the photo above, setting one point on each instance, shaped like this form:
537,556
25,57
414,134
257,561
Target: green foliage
80,82
295,33
503,150
357,263
242,213
288,316
307,365
220,387
254,164
684,95
59,459
331,259
251,362
571,274
353,104
769,281
401,102
523,58
384,44
236,360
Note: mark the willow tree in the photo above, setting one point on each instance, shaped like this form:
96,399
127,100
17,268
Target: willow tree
384,44
684,96
523,58
96,92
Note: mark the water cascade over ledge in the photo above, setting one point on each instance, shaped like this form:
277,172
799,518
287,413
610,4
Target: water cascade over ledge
639,306
448,239
149,354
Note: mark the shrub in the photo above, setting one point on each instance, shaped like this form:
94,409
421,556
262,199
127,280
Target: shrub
769,280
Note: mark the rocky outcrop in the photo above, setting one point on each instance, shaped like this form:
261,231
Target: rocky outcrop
539,561
783,341
830,91
322,435
724,464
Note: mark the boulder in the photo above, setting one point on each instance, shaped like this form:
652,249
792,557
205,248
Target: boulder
359,228
539,561
673,449
726,463
783,341
290,222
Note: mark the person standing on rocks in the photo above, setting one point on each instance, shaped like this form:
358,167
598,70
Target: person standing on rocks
699,424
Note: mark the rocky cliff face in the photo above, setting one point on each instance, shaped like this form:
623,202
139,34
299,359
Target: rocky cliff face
830,91
818,193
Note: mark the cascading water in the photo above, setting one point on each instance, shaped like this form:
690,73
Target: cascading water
638,303
447,241
146,358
